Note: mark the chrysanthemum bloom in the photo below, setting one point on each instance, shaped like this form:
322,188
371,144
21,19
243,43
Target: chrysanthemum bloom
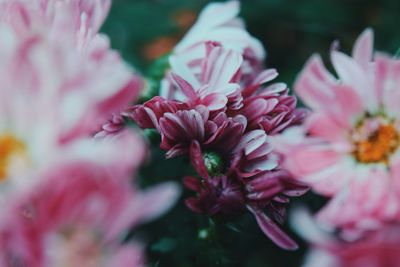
51,99
78,216
209,107
348,148
216,110
380,248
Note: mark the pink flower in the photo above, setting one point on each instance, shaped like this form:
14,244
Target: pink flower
214,107
77,216
69,24
348,148
376,249
51,100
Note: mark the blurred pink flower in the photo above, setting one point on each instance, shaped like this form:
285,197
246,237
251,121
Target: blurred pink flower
379,248
51,100
78,216
104,77
348,148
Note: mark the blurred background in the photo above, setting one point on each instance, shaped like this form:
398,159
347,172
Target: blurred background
291,30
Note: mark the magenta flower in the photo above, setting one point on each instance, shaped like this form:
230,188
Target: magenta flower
215,108
348,148
227,195
78,216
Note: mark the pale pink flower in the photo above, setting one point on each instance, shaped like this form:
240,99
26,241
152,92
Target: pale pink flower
219,22
51,100
379,248
348,148
78,216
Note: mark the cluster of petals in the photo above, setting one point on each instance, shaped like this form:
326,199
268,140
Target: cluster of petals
68,196
214,100
347,149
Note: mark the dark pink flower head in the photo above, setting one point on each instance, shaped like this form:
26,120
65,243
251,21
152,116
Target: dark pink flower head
228,195
180,125
78,216
378,248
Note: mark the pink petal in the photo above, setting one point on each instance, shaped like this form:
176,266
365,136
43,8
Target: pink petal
271,230
265,76
314,84
197,159
305,160
215,101
186,88
363,49
388,83
353,75
323,126
220,67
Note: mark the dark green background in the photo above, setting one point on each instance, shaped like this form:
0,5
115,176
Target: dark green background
291,31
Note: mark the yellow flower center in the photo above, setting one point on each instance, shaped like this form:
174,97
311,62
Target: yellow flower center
378,146
10,147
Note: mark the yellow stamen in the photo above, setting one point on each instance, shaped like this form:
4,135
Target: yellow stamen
378,146
10,146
